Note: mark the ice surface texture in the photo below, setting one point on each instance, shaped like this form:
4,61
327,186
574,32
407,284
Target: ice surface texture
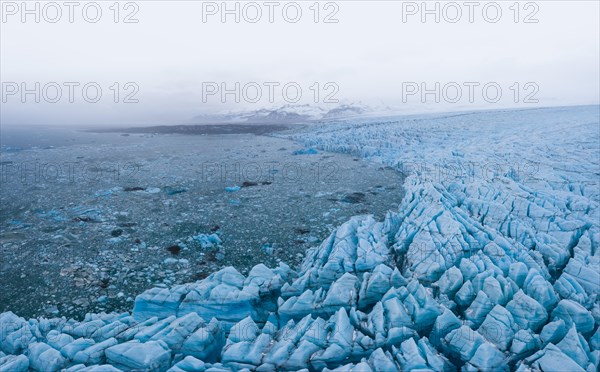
490,263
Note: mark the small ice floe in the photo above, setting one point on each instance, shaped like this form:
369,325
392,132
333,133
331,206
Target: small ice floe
268,249
18,224
173,190
174,262
232,188
52,214
208,241
308,151
109,192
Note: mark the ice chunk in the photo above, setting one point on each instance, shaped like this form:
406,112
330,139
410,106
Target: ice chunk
587,275
396,314
540,290
377,283
553,332
518,273
463,342
527,312
524,343
15,333
70,350
444,324
479,309
134,355
551,358
233,188
343,293
411,358
247,351
205,343
465,295
489,358
575,347
14,363
208,241
94,354
450,282
158,302
572,312
178,331
308,151
58,340
382,361
43,357
340,340
96,368
188,364
499,327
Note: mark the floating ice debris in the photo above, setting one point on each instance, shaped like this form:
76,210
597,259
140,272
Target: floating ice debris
233,188
208,241
53,214
110,192
18,224
308,151
267,248
173,190
152,190
174,261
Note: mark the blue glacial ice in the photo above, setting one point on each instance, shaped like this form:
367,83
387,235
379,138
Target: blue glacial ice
308,151
207,241
490,263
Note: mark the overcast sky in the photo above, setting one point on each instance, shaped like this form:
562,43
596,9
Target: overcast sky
370,55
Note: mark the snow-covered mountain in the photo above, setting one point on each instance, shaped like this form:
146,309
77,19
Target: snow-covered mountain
287,114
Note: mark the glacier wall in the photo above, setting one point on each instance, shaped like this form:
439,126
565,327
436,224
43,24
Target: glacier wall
490,263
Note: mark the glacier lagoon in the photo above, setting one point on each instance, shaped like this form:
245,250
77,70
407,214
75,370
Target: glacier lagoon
489,262
87,227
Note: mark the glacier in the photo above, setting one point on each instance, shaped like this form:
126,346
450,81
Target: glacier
490,263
